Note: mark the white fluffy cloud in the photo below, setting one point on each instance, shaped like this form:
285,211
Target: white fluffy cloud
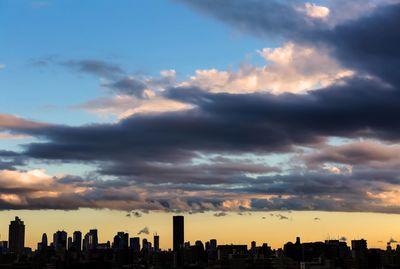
316,11
291,68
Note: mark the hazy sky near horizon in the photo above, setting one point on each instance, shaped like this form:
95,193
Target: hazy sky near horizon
226,111
275,228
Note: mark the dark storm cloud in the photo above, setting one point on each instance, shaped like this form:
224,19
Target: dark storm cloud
230,123
369,44
261,18
10,159
216,172
8,154
159,149
372,154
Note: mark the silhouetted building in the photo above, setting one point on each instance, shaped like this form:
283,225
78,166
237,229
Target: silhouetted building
60,240
199,245
121,240
225,252
213,244
16,236
253,245
69,243
156,243
77,240
85,242
135,244
44,241
178,232
3,246
90,241
65,253
359,253
145,245
294,251
93,239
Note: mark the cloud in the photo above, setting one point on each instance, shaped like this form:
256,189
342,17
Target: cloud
262,18
128,86
287,18
347,36
292,68
267,124
220,214
281,217
317,219
244,213
179,153
342,11
124,106
95,67
12,136
134,94
9,160
217,154
32,189
11,122
365,153
136,214
145,230
36,189
2,66
316,11
391,240
142,87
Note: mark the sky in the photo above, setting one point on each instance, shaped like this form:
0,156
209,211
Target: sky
280,115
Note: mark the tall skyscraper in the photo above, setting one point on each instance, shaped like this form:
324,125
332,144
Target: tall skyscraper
135,244
156,243
77,240
178,233
86,242
44,241
16,236
93,239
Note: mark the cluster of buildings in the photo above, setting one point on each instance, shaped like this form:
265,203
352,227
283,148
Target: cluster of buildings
86,251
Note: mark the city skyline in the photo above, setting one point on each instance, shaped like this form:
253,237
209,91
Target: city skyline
62,240
124,251
267,228
254,119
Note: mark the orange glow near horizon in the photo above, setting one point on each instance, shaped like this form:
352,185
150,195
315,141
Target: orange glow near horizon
233,228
